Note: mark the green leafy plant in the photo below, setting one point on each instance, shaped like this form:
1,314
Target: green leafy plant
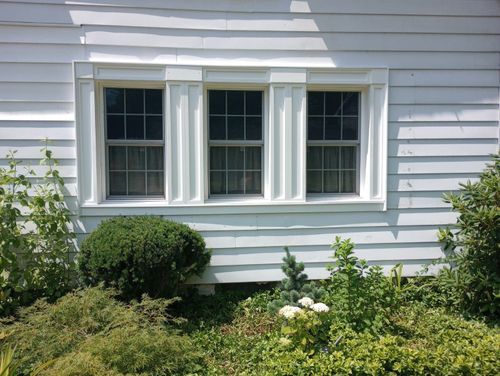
35,234
90,332
474,247
423,342
7,365
359,295
307,327
142,254
294,286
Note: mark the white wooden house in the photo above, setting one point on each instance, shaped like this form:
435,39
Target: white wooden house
260,123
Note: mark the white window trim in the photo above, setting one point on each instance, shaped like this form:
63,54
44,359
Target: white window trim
186,147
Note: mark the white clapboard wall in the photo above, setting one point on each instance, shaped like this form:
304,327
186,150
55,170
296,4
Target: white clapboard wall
443,58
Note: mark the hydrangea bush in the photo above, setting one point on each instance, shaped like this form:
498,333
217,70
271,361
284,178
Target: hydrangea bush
306,326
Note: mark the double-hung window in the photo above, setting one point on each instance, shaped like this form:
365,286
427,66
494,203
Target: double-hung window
333,119
189,139
134,142
235,142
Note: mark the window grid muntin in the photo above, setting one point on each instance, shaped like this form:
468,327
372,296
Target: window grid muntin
145,143
339,143
241,143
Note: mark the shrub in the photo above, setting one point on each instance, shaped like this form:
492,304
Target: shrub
305,327
360,296
294,286
35,237
142,255
91,333
427,342
474,249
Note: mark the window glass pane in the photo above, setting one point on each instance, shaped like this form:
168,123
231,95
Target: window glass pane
333,103
254,128
331,182
135,170
217,158
314,181
115,127
117,183
348,181
235,158
155,183
135,127
134,100
253,158
235,102
235,182
235,128
114,100
349,128
332,128
154,101
117,158
217,182
235,115
217,127
136,157
331,157
314,157
217,102
253,103
253,182
315,103
136,183
155,158
315,128
154,127
350,103
348,157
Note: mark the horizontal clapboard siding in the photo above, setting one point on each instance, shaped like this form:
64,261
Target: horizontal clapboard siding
443,59
390,7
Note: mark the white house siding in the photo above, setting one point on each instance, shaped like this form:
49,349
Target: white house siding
443,58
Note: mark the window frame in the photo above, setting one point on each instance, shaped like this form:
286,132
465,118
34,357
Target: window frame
357,143
103,142
186,180
231,86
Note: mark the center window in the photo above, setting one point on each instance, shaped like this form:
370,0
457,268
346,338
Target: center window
332,142
235,142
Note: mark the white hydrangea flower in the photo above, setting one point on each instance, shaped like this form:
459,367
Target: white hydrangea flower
306,302
289,311
319,307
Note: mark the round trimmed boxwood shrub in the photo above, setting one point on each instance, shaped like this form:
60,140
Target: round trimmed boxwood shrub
142,254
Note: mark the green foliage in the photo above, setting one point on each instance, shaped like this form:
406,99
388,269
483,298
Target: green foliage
359,296
307,331
7,365
35,237
91,333
294,286
426,342
473,278
233,343
142,254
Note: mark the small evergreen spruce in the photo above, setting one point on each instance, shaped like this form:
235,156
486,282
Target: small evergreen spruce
294,286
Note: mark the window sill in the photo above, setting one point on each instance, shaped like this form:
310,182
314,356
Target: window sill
233,206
